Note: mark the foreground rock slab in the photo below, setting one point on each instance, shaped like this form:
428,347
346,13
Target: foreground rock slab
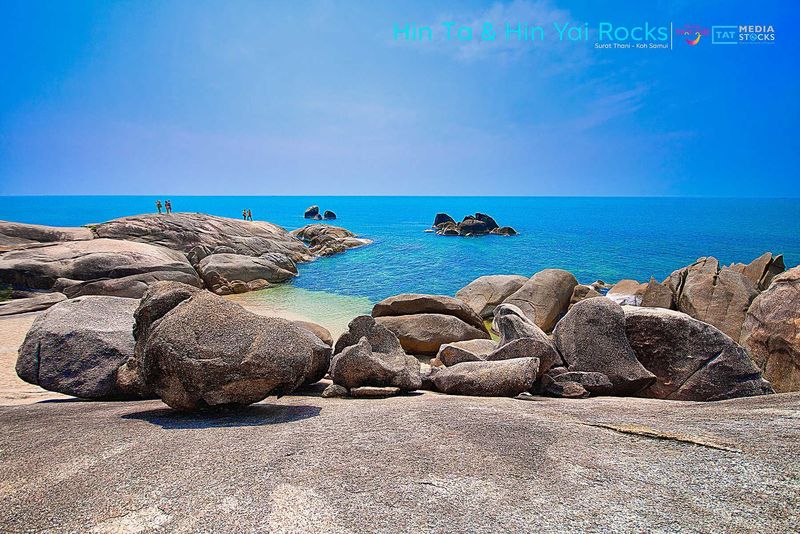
599,465
13,234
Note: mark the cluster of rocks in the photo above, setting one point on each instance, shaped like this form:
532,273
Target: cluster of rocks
312,212
124,256
472,225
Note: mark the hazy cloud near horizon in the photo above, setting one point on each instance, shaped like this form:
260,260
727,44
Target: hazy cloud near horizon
318,98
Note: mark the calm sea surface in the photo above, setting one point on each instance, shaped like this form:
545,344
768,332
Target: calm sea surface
595,238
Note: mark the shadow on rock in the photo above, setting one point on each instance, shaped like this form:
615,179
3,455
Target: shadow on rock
254,415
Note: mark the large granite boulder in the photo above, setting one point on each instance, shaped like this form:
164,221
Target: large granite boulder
425,333
484,294
503,378
41,266
312,212
657,295
761,270
201,234
219,271
488,220
208,352
327,240
627,292
771,331
360,365
133,286
442,218
545,297
380,338
329,215
13,234
591,337
76,346
37,302
415,303
472,227
582,292
520,337
472,350
692,360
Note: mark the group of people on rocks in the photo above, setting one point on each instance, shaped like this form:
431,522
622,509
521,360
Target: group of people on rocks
247,215
167,206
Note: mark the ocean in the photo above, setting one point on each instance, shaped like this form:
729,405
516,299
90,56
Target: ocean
594,238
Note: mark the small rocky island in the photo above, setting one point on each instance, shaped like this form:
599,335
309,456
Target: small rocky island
472,225
312,212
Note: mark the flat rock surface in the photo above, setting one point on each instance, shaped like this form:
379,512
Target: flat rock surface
415,463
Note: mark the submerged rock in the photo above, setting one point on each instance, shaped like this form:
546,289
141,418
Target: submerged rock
692,360
76,346
591,337
484,294
771,331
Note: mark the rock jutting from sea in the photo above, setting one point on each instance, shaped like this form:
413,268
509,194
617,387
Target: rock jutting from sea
472,225
123,257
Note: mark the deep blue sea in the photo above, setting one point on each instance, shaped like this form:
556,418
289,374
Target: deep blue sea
595,238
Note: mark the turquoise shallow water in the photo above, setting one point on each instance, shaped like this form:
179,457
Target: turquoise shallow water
605,238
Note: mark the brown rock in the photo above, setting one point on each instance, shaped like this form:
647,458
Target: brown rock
483,294
425,333
627,292
545,297
657,295
416,303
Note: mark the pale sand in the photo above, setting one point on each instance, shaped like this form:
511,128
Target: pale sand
12,389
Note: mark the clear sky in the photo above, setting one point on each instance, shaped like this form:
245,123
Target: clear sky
316,97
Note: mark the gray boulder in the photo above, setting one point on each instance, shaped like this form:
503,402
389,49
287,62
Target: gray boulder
591,337
465,351
545,297
692,360
361,365
771,331
133,286
416,303
425,333
582,292
208,352
562,383
76,346
657,295
13,234
380,338
37,302
218,271
484,294
40,266
312,212
504,378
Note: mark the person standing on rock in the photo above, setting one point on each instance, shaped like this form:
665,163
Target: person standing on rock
249,215
168,206
244,214
158,206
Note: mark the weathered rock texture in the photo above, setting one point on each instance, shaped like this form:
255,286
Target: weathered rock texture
326,240
627,292
692,360
416,303
761,270
771,331
483,294
472,225
221,272
30,304
503,378
13,234
657,295
208,352
425,333
545,297
591,337
76,346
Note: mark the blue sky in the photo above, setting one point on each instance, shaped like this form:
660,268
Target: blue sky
292,98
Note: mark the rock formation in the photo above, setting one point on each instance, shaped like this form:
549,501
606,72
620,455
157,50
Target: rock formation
220,271
761,270
326,240
771,331
692,360
312,212
503,378
545,297
425,333
415,303
627,292
30,304
472,225
485,293
13,234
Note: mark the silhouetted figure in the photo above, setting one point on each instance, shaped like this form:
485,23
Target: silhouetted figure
249,215
158,206
168,206
244,215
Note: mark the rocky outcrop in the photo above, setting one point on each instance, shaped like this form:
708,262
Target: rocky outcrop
95,261
417,303
504,378
220,272
368,354
76,346
133,286
326,240
545,297
425,333
199,235
472,225
771,331
582,292
38,302
484,294
312,212
13,234
591,338
627,292
657,295
761,270
329,215
520,337
692,360
208,352
716,296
